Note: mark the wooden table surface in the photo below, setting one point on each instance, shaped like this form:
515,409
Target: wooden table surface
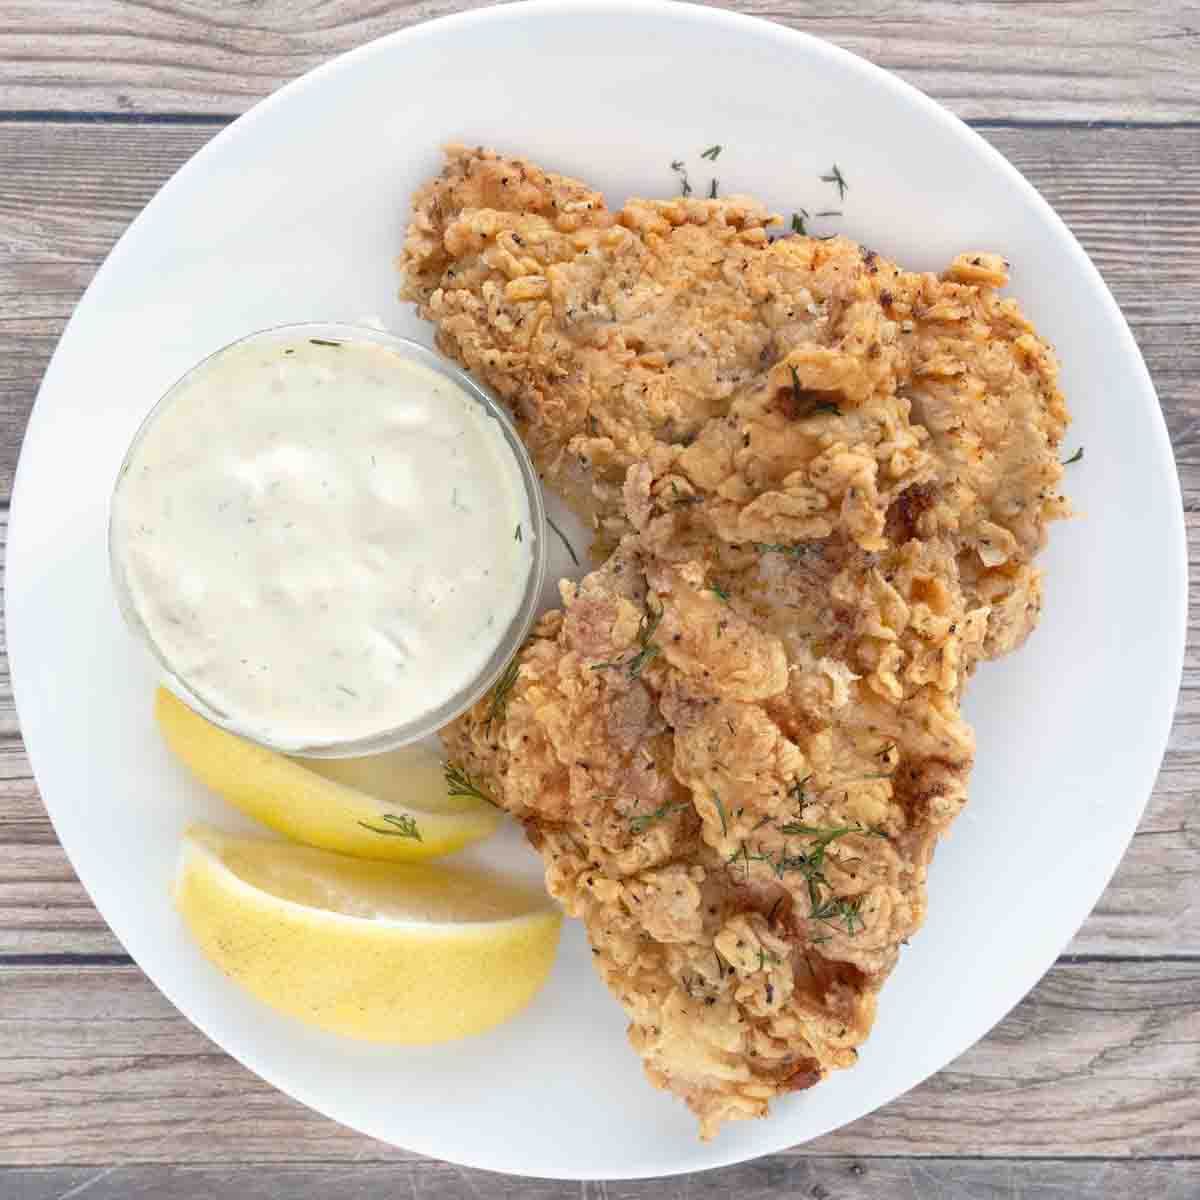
1090,1087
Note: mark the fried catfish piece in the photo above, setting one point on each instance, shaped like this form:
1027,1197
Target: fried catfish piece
928,403
740,806
823,481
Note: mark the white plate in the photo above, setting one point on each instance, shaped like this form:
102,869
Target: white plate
295,213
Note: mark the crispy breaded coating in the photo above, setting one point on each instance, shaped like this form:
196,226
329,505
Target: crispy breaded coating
821,482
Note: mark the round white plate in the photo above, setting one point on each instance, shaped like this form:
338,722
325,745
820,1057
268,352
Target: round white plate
296,213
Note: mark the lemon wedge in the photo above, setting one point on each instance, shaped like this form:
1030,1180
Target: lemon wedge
411,954
347,805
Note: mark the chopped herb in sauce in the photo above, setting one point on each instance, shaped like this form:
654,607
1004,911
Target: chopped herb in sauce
711,153
325,342
712,189
718,591
1076,457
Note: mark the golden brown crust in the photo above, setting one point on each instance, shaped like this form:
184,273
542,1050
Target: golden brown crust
823,481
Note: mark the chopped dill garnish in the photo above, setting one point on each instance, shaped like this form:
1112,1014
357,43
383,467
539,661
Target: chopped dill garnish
563,536
798,395
459,783
765,956
721,814
401,826
1076,457
718,591
712,189
829,212
325,342
839,907
643,821
517,536
838,180
685,187
798,219
712,153
341,687
504,685
649,648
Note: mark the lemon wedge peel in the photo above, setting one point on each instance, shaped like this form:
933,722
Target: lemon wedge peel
382,978
313,808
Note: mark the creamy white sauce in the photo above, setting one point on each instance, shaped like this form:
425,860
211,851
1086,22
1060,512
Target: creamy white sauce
322,541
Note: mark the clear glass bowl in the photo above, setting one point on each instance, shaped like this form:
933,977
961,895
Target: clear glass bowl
510,639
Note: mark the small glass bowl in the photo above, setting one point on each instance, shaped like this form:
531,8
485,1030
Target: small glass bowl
510,639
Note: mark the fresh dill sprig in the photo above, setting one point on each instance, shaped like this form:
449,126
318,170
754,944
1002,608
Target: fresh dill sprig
1076,457
459,783
325,342
838,180
712,188
504,685
798,219
649,648
840,907
721,814
829,212
685,187
643,821
796,791
563,537
518,536
765,956
402,825
712,153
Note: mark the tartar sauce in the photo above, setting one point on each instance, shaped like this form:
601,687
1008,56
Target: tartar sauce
322,540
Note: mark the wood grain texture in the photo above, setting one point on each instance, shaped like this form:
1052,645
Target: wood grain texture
1100,1060
1034,61
772,1178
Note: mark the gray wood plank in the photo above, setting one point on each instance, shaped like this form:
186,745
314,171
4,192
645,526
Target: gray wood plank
1035,61
843,1178
1101,1059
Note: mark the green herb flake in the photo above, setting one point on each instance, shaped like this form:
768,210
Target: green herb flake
643,821
721,814
685,187
1076,457
498,709
325,342
836,177
518,536
712,153
712,189
459,783
718,591
798,219
402,826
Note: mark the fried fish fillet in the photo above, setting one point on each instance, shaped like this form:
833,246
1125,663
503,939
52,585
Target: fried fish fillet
823,481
